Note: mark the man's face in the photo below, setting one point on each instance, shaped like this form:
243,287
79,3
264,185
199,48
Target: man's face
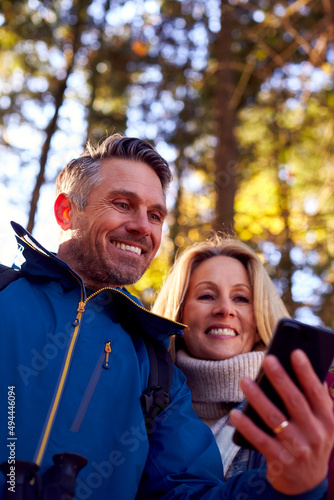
116,236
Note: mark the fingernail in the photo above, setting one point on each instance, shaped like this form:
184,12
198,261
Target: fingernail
271,362
246,382
299,356
272,358
235,415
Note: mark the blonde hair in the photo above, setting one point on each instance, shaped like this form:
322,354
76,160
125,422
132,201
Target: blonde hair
268,306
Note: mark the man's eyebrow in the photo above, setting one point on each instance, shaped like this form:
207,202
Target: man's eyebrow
133,196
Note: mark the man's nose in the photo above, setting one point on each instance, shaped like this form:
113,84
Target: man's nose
139,223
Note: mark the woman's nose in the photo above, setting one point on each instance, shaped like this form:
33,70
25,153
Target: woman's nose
224,307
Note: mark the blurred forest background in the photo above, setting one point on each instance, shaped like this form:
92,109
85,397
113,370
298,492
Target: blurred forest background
238,96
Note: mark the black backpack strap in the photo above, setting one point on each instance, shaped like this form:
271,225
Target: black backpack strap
8,275
156,396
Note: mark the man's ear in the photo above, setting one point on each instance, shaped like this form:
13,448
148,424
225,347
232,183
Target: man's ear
62,208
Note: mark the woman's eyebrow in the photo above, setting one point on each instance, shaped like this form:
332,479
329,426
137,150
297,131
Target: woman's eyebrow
236,285
205,283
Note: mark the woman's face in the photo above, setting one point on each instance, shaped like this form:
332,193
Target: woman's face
219,310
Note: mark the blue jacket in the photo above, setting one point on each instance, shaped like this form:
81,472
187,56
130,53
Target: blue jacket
67,399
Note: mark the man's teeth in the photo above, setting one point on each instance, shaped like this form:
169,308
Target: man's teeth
129,248
222,331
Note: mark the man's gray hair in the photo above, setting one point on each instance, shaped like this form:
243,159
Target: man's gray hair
82,175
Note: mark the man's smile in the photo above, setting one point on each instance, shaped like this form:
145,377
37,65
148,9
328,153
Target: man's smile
128,248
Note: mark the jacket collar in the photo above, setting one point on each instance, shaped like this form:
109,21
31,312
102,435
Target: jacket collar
35,260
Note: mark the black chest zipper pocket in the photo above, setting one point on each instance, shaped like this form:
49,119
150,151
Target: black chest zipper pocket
102,364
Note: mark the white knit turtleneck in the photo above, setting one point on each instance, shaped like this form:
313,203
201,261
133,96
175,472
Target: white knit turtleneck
215,391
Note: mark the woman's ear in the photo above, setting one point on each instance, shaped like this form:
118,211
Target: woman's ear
62,209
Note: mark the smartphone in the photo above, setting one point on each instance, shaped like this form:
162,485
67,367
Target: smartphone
315,341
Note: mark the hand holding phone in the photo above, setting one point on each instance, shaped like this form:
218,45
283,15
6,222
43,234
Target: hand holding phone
316,342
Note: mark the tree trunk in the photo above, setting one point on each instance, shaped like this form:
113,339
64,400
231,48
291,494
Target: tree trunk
52,127
329,14
50,130
174,229
226,150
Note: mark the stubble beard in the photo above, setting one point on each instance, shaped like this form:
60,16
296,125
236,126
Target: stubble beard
118,275
98,270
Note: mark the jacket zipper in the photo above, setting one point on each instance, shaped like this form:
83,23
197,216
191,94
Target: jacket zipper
103,363
59,388
41,447
61,381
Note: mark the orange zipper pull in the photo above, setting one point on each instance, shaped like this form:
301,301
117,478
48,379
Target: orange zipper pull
107,350
80,310
81,307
